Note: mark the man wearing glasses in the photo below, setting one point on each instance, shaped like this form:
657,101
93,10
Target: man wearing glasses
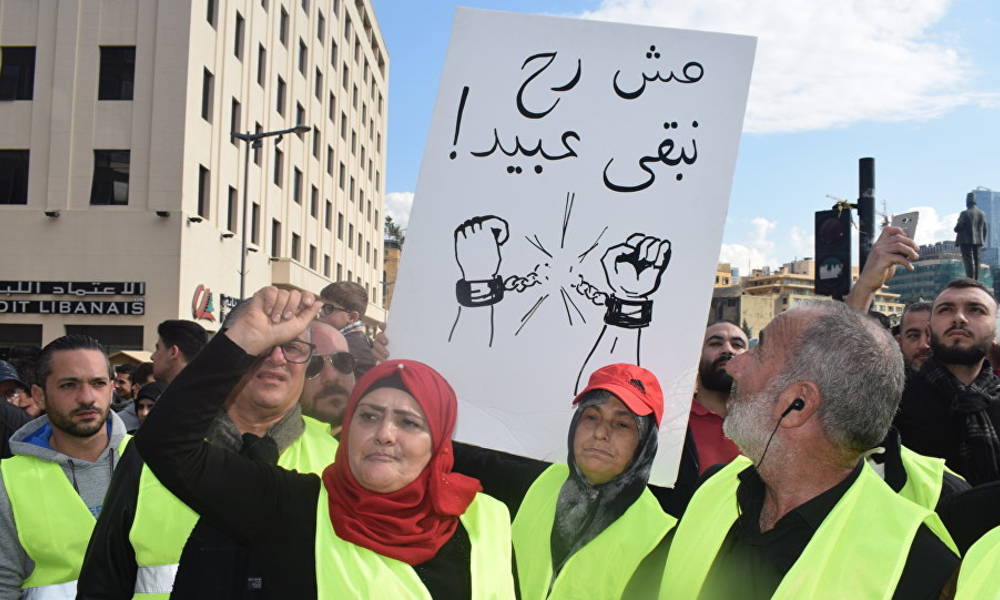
137,544
329,377
344,303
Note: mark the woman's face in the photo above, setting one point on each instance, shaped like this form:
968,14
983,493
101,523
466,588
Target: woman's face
605,441
389,441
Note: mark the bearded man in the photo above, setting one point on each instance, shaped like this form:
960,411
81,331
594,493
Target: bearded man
951,407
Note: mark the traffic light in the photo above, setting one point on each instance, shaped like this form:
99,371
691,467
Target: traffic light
833,253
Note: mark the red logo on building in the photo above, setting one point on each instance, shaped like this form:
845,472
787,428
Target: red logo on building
201,303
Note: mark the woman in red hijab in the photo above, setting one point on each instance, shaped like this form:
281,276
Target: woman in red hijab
388,519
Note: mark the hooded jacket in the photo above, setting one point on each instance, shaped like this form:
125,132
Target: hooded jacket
90,479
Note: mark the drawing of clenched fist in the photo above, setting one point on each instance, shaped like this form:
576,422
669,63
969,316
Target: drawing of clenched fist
634,269
477,247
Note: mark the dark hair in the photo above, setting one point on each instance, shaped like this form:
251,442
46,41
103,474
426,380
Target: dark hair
67,342
920,306
188,336
728,322
348,294
967,282
25,360
143,371
125,369
880,318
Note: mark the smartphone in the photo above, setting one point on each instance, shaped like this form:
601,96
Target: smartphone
907,222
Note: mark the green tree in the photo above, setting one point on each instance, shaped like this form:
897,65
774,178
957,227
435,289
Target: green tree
393,232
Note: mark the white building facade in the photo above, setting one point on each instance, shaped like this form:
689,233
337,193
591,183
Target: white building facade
121,190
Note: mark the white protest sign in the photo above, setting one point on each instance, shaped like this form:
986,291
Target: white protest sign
568,215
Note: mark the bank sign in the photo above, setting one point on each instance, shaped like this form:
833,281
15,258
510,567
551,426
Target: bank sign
82,304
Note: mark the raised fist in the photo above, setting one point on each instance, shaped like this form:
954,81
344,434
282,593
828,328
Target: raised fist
477,247
634,269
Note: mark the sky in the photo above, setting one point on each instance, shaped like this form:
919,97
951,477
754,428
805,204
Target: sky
915,84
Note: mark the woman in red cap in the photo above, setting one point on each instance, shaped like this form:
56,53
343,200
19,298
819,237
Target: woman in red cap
388,519
589,528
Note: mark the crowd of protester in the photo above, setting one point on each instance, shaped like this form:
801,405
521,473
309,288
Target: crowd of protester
288,457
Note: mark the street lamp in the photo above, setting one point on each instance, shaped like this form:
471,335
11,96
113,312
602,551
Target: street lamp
253,141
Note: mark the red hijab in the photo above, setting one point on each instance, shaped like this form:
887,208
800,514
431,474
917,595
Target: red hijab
412,523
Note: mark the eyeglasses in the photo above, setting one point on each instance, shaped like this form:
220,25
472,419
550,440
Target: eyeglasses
295,351
329,309
343,362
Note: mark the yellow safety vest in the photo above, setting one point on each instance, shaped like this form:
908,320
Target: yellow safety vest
53,524
924,476
858,551
603,566
346,570
162,523
979,578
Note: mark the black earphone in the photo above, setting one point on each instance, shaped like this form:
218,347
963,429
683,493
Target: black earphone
798,404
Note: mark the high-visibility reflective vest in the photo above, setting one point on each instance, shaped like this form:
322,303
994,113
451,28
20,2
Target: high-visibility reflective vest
858,551
53,524
924,477
346,570
603,566
162,523
979,577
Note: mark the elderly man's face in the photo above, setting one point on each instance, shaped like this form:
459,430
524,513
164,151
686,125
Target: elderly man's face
749,421
324,397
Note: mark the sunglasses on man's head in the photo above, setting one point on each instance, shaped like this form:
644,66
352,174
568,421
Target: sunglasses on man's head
343,362
329,309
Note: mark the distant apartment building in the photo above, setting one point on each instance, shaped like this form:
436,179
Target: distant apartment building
122,191
989,202
938,264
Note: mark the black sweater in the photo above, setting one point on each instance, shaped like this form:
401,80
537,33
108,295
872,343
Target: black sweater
269,509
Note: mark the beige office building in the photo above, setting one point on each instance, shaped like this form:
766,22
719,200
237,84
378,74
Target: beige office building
121,191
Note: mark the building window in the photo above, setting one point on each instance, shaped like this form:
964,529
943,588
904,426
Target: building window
238,37
319,85
17,73
283,27
326,265
256,147
204,190
354,98
275,238
350,275
342,175
303,57
368,252
255,223
305,5
350,235
340,229
14,176
357,50
207,91
263,4
351,194
280,96
369,211
234,212
261,64
328,216
317,142
320,26
333,54
332,108
279,159
212,12
359,244
345,76
117,77
296,247
300,117
235,118
110,185
312,257
375,259
343,126
314,203
354,142
347,27
329,161
340,271
297,185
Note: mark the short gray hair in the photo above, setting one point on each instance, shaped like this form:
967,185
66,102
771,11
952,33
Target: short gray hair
858,368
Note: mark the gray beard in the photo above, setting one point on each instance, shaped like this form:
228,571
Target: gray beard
746,424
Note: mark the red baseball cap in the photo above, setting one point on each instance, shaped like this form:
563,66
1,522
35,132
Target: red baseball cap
638,388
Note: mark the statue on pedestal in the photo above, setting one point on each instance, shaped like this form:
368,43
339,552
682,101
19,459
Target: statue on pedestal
971,230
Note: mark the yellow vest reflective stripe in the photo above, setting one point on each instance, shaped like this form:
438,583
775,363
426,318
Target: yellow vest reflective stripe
162,523
924,475
53,524
346,570
857,552
601,568
979,578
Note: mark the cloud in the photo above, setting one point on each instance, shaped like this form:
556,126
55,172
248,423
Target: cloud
801,244
932,228
398,205
828,63
757,252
